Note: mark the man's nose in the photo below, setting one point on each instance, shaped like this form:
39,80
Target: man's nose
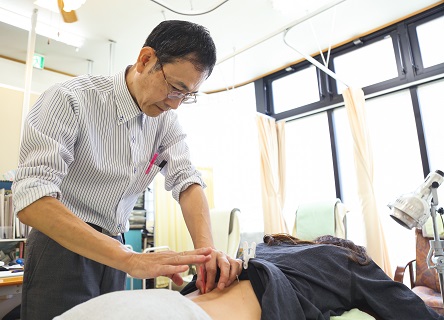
173,103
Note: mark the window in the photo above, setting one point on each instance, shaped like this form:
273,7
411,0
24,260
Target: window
431,42
430,102
401,146
396,162
368,65
297,89
309,167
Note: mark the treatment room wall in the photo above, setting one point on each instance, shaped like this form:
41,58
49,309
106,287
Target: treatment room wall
10,122
12,82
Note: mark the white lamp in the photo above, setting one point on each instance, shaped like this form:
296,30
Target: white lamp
413,209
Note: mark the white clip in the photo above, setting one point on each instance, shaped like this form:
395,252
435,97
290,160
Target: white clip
248,253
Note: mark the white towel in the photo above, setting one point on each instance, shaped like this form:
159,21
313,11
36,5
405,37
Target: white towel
155,304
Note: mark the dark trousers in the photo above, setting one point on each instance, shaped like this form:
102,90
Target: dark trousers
57,279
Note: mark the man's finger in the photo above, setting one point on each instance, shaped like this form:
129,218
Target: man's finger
224,266
177,279
210,270
235,269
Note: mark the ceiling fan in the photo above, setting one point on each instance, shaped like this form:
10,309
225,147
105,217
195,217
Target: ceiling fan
67,9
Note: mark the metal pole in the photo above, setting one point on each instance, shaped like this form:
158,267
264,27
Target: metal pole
29,68
436,245
90,66
112,46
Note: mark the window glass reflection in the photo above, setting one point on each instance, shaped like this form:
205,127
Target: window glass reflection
295,90
368,65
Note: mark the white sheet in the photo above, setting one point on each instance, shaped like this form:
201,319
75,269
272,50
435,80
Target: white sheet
155,304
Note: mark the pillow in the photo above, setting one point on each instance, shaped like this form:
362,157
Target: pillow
353,314
158,304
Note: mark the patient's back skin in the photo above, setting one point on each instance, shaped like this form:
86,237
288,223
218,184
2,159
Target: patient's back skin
238,301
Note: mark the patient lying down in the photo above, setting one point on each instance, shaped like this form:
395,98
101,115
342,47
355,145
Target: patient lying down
288,279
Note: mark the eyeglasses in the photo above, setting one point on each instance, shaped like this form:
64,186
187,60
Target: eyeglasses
186,98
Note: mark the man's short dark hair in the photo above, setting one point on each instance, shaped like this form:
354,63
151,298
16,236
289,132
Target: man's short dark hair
173,39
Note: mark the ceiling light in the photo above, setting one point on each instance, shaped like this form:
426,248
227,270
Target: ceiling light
51,5
43,29
70,5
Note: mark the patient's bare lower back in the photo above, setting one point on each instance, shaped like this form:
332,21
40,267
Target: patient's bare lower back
238,301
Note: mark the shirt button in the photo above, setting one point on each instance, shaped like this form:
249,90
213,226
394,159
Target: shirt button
121,118
135,170
133,139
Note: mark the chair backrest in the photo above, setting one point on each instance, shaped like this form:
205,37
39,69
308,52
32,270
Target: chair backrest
424,276
314,219
226,230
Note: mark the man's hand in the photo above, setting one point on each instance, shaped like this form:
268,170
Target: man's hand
166,263
229,269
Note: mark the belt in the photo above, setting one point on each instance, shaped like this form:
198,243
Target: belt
104,231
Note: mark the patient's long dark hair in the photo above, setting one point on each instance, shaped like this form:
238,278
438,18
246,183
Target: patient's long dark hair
357,253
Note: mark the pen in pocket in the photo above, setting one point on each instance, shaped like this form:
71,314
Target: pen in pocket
151,163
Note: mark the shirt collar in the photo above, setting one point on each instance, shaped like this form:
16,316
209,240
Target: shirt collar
126,107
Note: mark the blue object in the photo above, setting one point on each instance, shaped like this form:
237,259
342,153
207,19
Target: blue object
134,238
4,184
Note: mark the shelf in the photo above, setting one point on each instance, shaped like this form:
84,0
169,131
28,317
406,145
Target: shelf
13,240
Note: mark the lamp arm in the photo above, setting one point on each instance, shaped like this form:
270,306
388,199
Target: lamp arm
436,245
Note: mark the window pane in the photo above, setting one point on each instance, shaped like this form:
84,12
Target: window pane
397,168
430,97
368,65
295,90
237,148
431,42
310,175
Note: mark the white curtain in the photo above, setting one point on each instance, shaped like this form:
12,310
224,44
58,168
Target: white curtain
169,225
272,156
363,156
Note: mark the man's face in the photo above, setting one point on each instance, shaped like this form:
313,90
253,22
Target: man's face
152,85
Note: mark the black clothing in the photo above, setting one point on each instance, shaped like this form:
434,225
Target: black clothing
319,281
68,278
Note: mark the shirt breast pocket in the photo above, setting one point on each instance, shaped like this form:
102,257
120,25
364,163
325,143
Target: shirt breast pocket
149,174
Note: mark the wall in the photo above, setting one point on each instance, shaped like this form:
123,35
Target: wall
12,82
13,75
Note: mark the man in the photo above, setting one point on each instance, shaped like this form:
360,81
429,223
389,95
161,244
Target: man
91,145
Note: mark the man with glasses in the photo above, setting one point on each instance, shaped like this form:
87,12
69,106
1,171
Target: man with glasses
90,146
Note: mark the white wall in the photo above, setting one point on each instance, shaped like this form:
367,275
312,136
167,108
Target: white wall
12,82
12,74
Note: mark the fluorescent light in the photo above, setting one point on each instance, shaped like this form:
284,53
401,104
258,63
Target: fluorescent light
43,29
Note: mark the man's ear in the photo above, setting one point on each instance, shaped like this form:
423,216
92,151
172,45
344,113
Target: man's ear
147,58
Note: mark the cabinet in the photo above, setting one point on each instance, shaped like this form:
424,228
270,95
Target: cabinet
12,245
141,233
13,233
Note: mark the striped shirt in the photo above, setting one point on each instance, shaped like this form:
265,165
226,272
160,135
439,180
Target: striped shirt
87,143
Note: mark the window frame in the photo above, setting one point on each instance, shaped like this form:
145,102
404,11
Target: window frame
406,49
415,50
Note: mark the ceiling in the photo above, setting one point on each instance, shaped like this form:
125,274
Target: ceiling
248,33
